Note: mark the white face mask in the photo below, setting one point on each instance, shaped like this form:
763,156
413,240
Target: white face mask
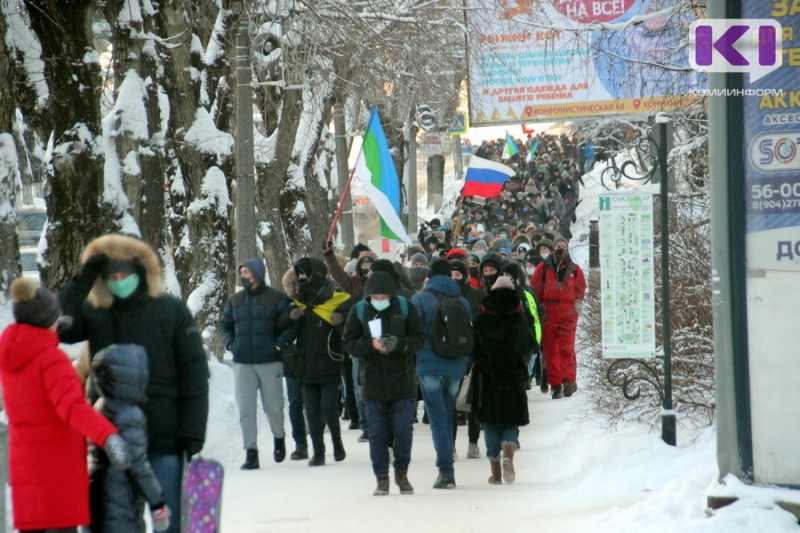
530,270
545,255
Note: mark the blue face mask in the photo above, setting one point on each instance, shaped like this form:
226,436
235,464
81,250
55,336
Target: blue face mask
124,287
380,305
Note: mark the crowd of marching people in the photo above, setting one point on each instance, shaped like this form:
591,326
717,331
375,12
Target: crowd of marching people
483,307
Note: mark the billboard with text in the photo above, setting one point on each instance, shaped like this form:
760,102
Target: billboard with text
555,59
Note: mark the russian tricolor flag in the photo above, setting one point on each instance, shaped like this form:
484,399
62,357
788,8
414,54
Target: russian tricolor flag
485,177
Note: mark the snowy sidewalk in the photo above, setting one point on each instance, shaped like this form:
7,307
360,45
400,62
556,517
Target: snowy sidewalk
572,475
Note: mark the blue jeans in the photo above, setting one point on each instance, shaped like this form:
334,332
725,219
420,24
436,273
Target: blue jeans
495,436
168,470
296,412
383,420
439,394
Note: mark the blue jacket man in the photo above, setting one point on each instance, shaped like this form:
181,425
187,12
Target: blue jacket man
439,378
249,330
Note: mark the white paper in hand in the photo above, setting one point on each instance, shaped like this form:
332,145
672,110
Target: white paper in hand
375,328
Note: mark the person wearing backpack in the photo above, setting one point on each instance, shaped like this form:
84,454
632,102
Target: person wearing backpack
388,382
442,360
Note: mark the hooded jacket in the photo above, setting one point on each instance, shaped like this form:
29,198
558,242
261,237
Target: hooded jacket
426,302
177,392
249,322
48,423
319,353
385,376
349,283
503,342
118,497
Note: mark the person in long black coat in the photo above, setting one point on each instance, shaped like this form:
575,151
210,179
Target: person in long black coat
503,342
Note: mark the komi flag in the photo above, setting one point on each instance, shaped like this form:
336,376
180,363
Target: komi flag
532,151
376,171
485,177
510,149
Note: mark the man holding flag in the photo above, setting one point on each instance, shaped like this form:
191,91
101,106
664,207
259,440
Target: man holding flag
510,149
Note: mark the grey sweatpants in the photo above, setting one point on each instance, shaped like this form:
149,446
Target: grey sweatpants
266,379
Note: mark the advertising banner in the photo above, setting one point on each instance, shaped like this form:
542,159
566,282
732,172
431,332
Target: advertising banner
556,59
627,291
771,165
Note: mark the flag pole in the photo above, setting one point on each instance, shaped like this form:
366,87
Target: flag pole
344,195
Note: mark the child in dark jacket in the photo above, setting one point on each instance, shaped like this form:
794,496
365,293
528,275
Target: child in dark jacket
120,375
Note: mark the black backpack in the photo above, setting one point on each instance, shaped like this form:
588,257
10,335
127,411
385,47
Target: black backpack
451,334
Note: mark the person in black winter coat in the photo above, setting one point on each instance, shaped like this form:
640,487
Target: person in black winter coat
387,373
117,298
119,373
503,342
321,312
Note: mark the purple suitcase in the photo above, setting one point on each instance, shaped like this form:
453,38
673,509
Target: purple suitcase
201,498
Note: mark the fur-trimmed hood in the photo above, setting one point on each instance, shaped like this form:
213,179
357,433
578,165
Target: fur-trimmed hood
125,248
289,282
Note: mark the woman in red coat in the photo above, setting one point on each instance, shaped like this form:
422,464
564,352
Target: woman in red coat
560,285
49,418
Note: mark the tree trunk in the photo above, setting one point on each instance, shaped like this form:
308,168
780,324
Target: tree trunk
201,208
9,254
140,153
75,175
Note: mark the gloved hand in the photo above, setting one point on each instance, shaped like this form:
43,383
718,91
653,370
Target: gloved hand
389,342
296,313
190,446
578,306
327,248
117,451
161,518
92,269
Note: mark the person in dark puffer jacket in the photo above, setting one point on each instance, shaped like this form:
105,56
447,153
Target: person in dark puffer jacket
387,373
117,497
249,330
117,298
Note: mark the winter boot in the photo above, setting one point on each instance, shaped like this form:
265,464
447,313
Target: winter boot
280,450
338,450
473,452
508,461
401,479
558,392
444,481
496,477
318,459
251,462
300,452
570,387
383,486
364,437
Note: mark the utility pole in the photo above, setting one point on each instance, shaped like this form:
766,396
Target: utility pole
343,171
245,159
412,180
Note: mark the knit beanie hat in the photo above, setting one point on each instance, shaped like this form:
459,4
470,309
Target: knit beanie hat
558,240
419,258
34,305
439,267
503,282
380,283
459,266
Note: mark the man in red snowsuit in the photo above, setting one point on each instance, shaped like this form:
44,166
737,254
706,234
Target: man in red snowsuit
560,285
